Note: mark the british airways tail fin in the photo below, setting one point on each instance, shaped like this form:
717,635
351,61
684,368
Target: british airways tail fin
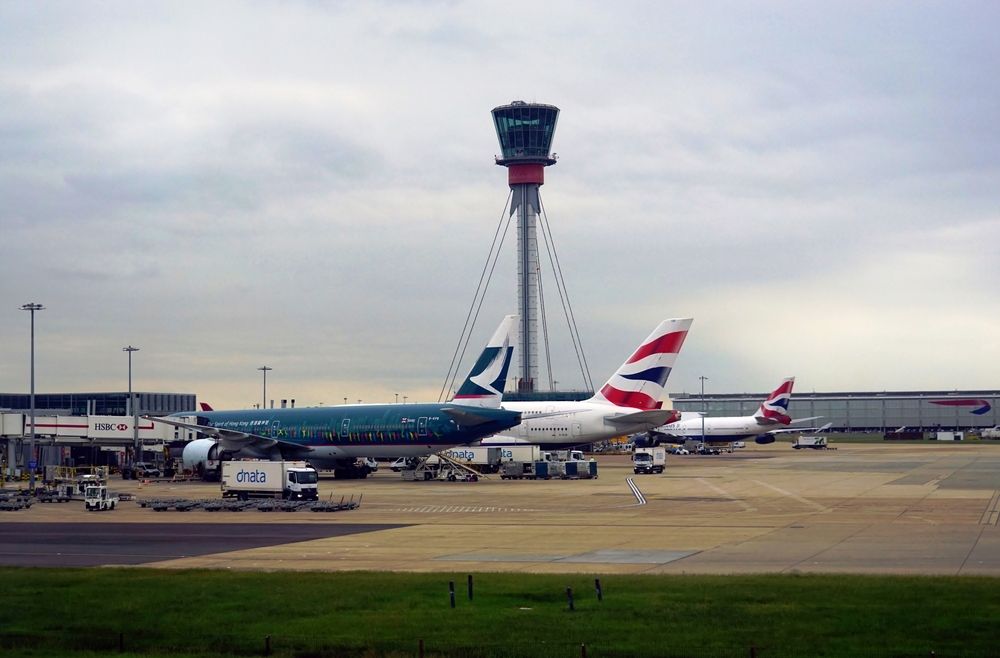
775,408
639,382
485,383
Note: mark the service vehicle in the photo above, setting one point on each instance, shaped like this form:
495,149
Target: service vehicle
97,498
485,459
520,453
145,470
291,480
810,441
649,460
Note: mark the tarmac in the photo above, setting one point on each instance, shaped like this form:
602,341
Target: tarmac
881,508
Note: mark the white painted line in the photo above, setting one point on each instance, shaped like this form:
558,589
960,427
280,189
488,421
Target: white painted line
635,491
805,501
725,494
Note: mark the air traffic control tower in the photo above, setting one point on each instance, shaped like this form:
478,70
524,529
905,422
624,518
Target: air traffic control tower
525,131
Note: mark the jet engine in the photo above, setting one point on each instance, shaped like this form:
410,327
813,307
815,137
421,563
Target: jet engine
202,456
764,439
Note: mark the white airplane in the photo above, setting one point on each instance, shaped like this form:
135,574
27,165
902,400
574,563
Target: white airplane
770,418
629,402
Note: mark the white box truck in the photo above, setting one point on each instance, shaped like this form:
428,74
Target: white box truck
810,441
267,479
485,459
649,460
521,453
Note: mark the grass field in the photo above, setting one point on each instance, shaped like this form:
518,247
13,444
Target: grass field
176,613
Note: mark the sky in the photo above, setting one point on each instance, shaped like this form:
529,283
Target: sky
310,186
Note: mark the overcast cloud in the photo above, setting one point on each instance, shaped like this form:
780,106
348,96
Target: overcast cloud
310,185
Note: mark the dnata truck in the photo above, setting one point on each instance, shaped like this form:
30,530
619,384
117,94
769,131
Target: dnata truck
267,479
649,460
810,441
485,459
520,453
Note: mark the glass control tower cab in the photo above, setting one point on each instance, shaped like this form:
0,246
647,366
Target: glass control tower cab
525,132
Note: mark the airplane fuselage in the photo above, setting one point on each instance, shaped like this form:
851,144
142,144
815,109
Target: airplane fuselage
575,423
716,430
322,434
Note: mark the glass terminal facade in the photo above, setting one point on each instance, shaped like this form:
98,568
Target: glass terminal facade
98,404
525,130
856,411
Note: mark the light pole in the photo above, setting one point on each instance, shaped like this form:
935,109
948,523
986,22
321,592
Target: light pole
31,308
264,369
704,409
135,412
397,398
404,399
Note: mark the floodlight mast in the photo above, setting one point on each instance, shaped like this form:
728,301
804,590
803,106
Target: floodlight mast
32,461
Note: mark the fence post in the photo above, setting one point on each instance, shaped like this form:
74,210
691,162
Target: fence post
583,650
267,645
597,586
470,586
451,592
569,597
753,651
420,648
121,642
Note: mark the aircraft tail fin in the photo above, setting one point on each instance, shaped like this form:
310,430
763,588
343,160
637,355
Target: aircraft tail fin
775,408
205,406
485,383
639,382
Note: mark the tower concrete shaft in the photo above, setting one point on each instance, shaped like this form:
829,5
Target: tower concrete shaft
524,202
525,132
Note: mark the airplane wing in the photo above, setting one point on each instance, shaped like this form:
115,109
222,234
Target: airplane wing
802,420
799,430
653,418
467,417
231,439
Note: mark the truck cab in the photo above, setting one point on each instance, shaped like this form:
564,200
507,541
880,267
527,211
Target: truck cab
97,498
301,483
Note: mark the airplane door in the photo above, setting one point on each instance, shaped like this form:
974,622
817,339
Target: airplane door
275,428
577,429
345,428
422,426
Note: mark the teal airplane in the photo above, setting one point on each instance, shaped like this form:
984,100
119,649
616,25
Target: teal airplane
336,437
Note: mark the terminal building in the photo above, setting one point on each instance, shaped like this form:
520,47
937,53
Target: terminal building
98,404
857,411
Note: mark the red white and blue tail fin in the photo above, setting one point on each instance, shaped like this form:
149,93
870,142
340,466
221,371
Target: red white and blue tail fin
639,382
775,408
485,383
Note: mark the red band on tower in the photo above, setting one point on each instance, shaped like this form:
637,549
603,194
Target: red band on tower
519,174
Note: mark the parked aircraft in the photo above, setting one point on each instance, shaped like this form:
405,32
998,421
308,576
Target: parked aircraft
335,437
770,418
629,401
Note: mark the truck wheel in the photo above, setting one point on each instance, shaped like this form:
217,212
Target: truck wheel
427,475
112,505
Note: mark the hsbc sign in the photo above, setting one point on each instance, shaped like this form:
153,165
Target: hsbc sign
110,427
118,429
